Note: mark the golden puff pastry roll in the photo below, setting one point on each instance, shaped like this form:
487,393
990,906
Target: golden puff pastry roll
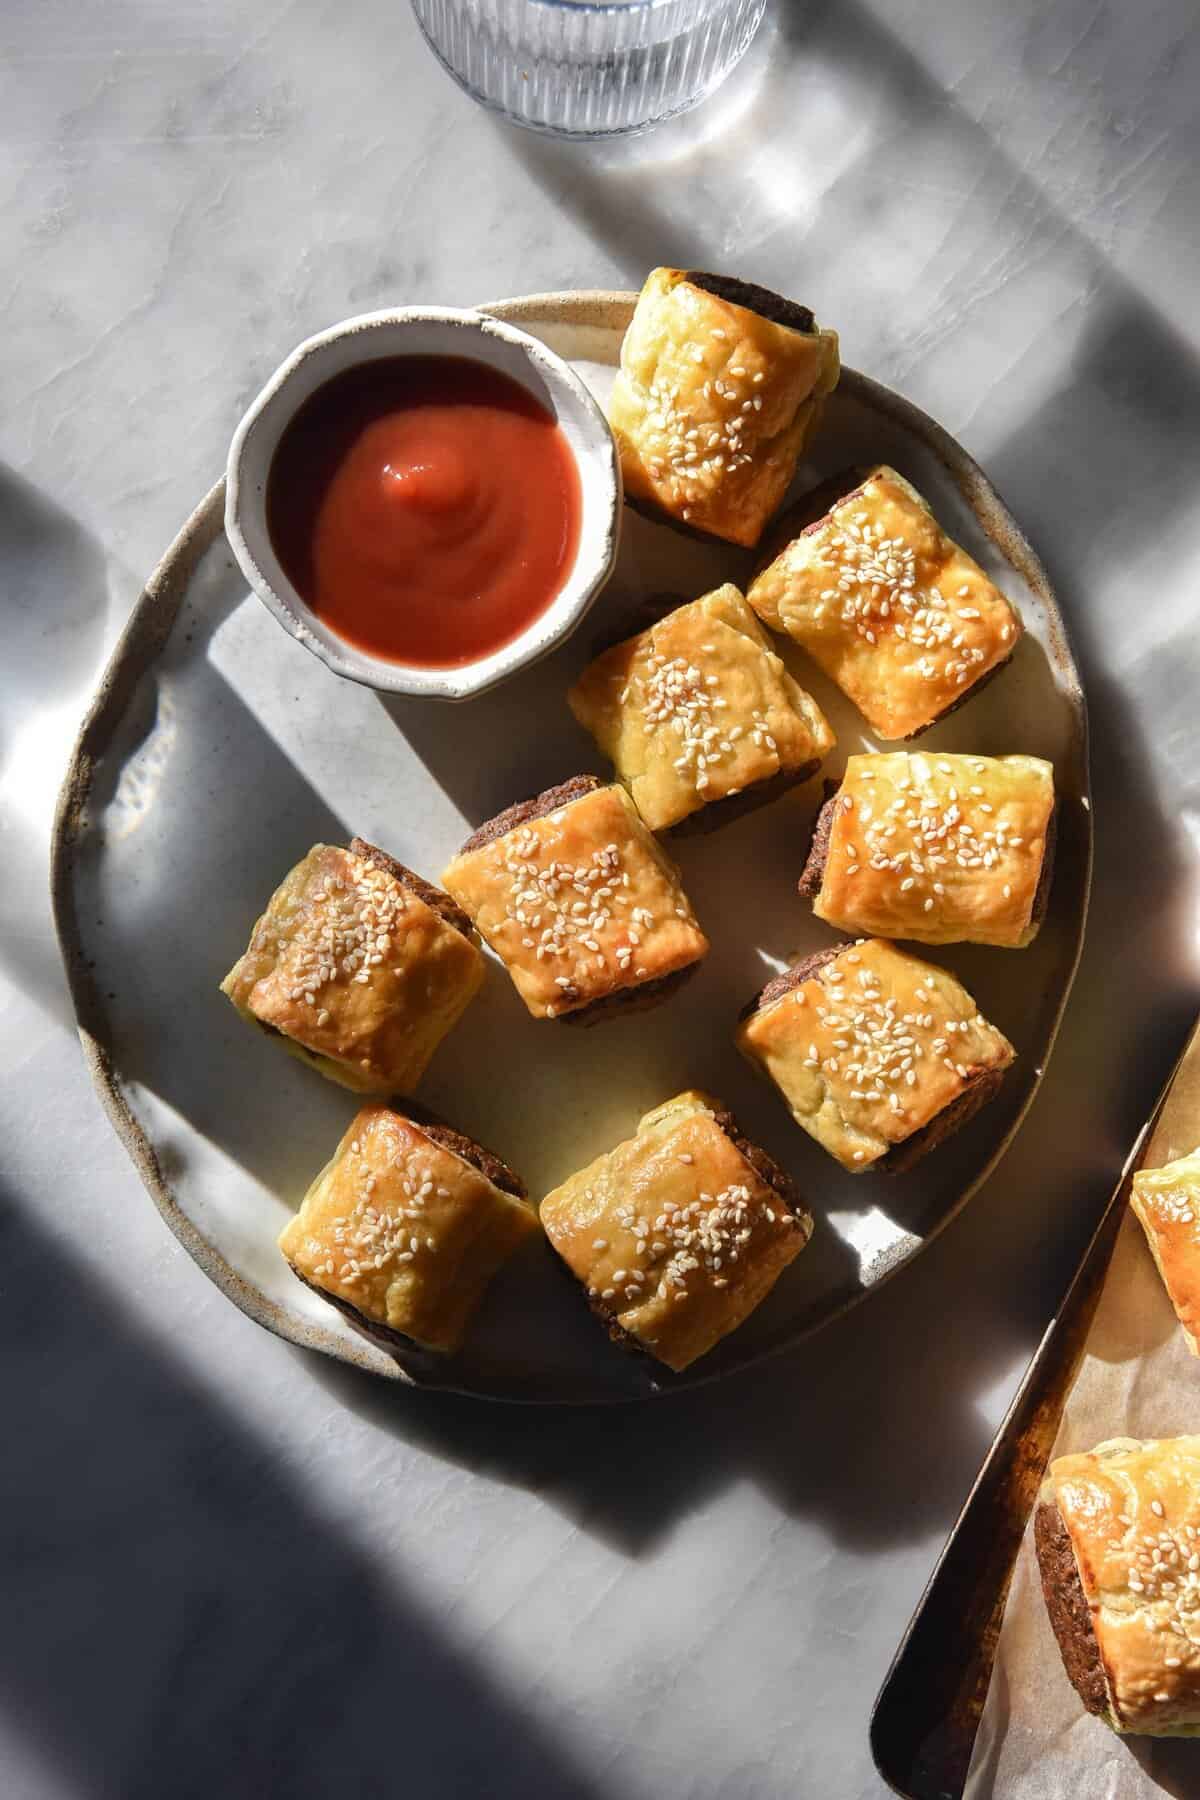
405,1227
698,711
893,610
579,902
1117,1533
680,1232
1167,1201
360,966
879,1055
721,384
941,849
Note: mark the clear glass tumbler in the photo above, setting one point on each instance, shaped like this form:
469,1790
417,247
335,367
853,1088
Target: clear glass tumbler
573,68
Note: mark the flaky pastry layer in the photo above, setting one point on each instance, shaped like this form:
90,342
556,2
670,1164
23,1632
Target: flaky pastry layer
675,1234
895,612
698,708
713,404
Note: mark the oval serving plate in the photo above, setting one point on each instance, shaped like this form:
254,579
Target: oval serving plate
218,750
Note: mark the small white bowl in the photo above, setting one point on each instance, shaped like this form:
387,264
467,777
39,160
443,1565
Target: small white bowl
425,331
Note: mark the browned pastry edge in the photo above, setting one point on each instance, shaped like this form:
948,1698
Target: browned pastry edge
524,811
478,1155
658,514
810,511
1067,1606
641,998
749,799
435,898
793,977
818,854
968,693
768,1171
1041,899
763,301
372,1328
975,1095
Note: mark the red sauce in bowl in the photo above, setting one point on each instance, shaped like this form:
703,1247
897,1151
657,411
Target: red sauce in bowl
425,507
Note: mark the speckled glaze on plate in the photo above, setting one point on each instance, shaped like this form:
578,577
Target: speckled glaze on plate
217,751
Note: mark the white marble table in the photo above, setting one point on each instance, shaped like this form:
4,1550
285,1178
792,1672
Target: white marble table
231,1568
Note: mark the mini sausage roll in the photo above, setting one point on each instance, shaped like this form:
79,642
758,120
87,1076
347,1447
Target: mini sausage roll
360,966
896,613
880,1056
680,1232
1167,1201
940,849
720,387
1117,1534
403,1230
699,709
579,902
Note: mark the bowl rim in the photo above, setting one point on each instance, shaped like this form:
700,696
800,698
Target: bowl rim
597,461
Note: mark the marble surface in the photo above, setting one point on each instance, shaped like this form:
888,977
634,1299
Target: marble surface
232,1567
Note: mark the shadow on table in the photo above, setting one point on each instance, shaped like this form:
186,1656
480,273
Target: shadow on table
819,1428
52,615
1173,1764
179,1618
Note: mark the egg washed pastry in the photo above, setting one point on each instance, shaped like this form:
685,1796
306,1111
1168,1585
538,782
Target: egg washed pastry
940,849
679,1233
720,386
697,710
403,1230
360,966
1167,1201
896,613
879,1055
580,903
1117,1533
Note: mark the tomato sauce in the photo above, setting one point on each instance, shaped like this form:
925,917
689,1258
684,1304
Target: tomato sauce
425,507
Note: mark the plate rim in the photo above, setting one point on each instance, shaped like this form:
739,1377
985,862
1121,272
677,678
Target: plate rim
142,639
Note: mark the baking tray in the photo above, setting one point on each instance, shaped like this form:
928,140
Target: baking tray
925,1718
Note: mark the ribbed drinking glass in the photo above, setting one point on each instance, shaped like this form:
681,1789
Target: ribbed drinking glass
576,69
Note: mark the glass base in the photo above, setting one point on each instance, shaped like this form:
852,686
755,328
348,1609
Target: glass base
589,71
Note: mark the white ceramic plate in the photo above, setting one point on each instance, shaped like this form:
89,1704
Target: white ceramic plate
218,750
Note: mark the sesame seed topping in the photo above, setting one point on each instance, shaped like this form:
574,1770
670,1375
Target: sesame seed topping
931,841
677,696
340,930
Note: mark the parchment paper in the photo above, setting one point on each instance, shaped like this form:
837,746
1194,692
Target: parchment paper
1137,1379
